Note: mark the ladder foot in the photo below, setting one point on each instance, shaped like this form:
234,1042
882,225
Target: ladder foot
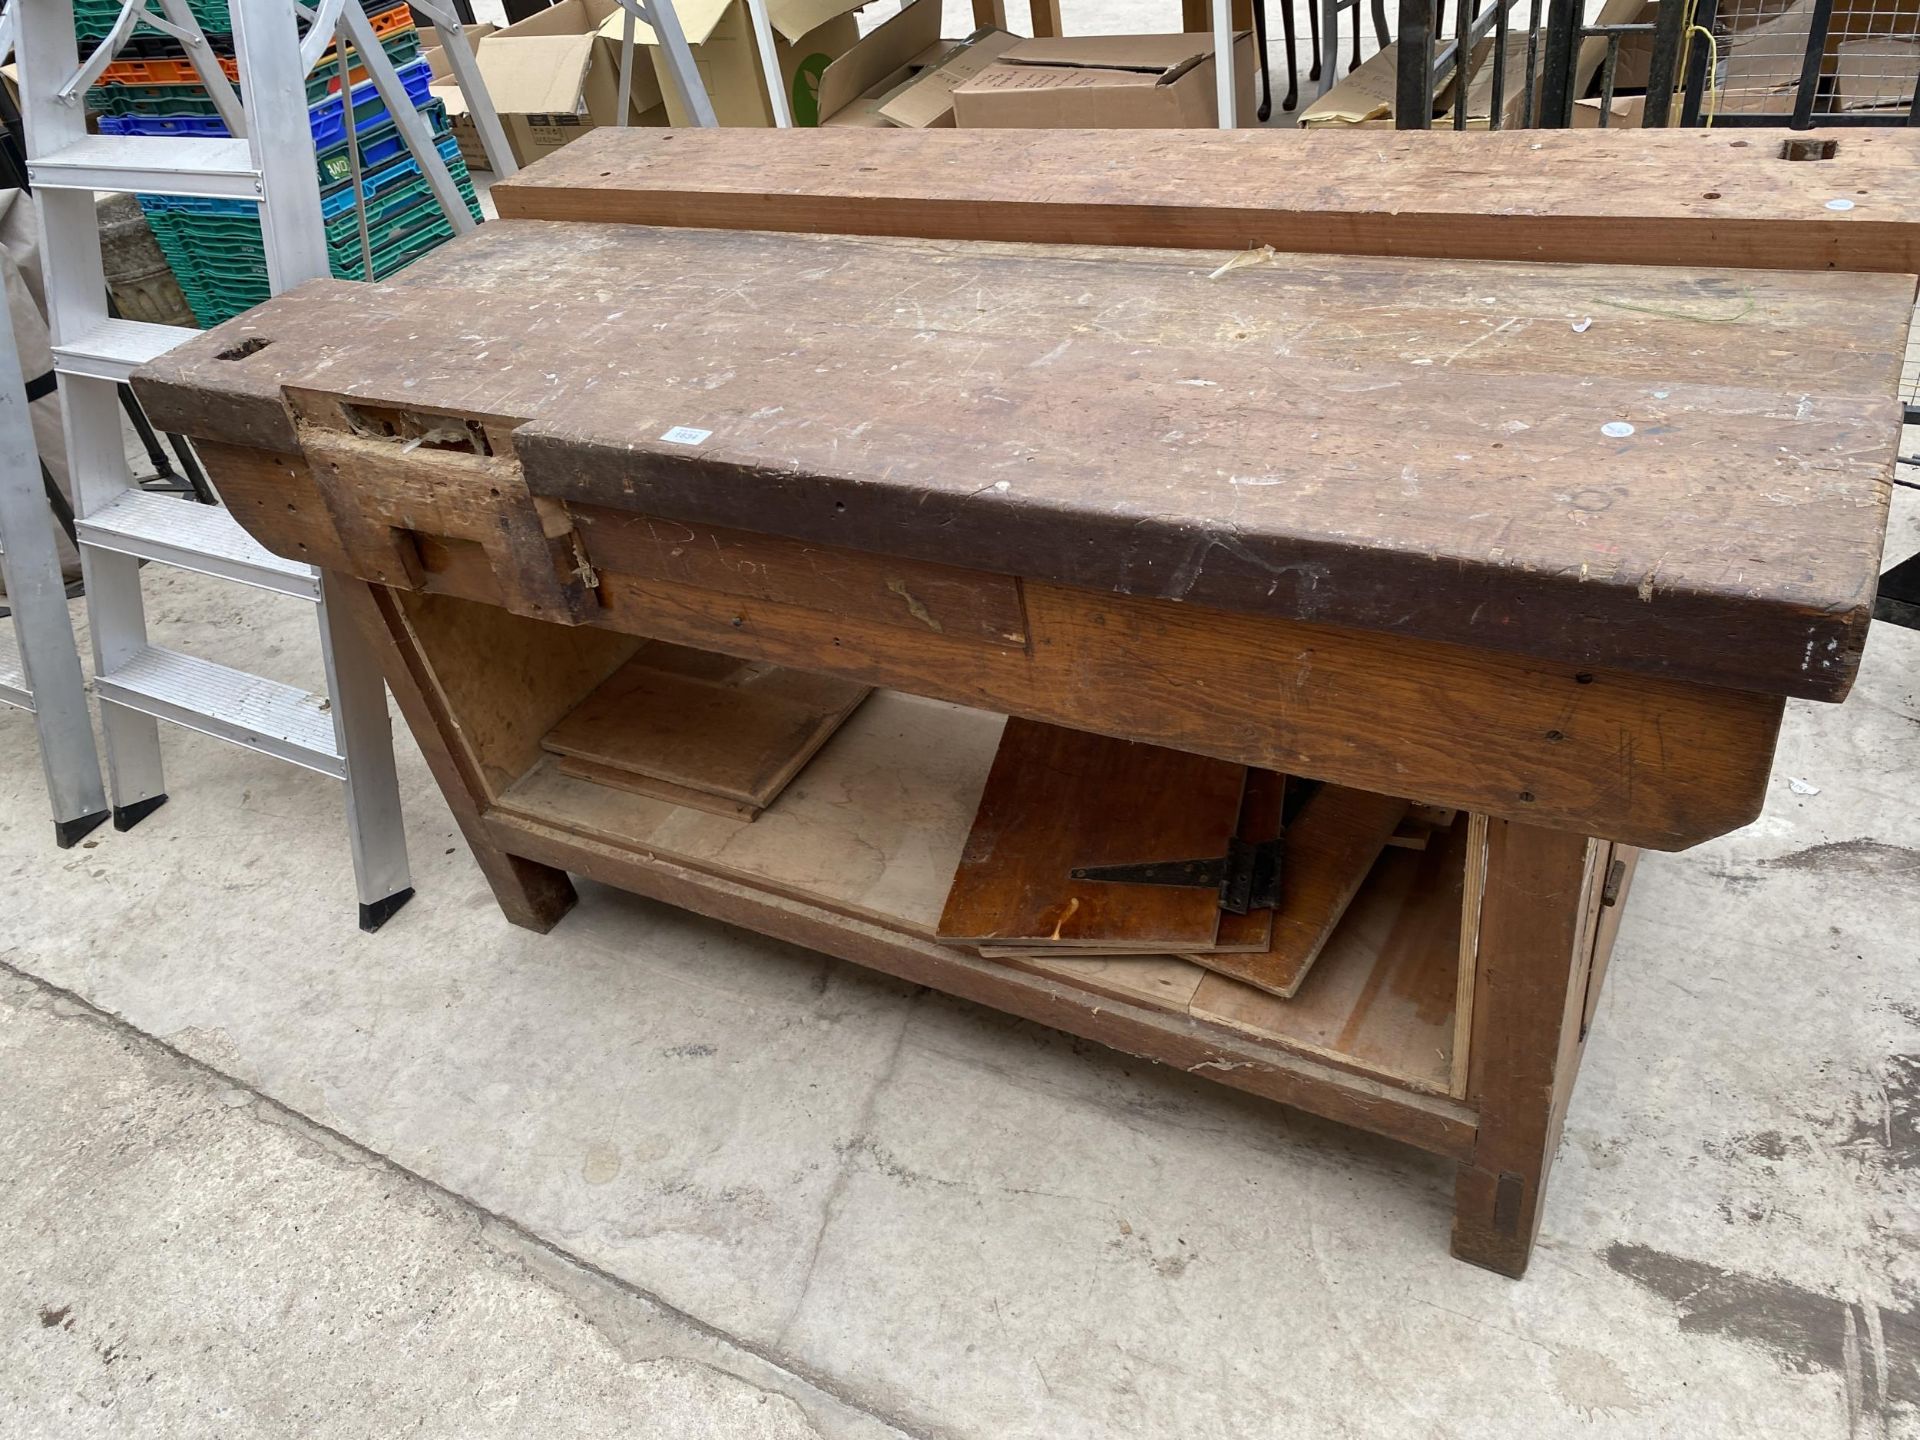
125,817
68,833
373,916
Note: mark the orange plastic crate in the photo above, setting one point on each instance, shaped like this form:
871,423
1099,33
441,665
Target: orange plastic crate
181,72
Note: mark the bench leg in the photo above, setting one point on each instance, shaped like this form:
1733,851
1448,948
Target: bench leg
1535,943
531,895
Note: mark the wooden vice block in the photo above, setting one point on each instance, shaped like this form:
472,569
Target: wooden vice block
391,476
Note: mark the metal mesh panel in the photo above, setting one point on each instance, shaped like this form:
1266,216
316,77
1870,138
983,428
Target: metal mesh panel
1857,57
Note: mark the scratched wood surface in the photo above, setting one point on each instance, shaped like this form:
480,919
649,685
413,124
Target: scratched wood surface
1056,799
1677,471
1634,196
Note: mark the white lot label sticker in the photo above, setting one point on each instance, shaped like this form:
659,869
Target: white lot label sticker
686,435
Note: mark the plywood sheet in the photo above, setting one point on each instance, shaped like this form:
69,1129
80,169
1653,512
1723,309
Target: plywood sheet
1329,852
873,827
693,720
1382,991
655,789
1057,799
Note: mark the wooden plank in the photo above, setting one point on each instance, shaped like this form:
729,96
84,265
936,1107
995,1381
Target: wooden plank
874,830
1470,902
1634,197
1381,994
655,789
1608,929
1330,850
964,411
1160,982
704,722
1056,799
915,595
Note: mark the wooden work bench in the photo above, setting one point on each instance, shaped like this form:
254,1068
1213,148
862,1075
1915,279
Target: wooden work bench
1550,544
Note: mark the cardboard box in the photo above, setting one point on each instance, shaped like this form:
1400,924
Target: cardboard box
925,102
887,58
1153,82
1626,114
807,36
553,76
1635,66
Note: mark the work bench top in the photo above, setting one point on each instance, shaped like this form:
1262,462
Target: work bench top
1674,471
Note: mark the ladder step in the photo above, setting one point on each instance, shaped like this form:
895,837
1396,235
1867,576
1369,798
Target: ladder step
191,536
116,348
151,165
250,710
13,675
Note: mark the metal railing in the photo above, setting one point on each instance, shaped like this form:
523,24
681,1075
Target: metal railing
1718,62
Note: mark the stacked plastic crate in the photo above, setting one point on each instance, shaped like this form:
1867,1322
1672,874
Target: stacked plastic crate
214,246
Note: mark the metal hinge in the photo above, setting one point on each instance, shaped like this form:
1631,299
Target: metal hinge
1247,876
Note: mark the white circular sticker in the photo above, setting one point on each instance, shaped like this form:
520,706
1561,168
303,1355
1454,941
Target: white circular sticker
1839,204
1618,429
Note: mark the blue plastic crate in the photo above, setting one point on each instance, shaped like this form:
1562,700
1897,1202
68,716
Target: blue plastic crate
327,120
374,183
379,144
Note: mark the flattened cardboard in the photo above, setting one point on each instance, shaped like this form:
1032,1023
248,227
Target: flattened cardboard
1877,73
1359,98
925,102
1365,99
1104,82
856,81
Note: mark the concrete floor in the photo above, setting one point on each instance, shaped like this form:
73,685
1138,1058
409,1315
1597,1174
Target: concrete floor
266,1176
263,1176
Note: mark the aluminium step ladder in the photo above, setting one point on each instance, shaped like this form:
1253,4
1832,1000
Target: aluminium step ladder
39,664
345,732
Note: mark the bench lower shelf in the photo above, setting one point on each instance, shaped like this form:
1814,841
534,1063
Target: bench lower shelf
1447,1010
856,856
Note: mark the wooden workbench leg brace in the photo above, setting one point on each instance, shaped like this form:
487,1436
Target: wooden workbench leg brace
532,895
1529,988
